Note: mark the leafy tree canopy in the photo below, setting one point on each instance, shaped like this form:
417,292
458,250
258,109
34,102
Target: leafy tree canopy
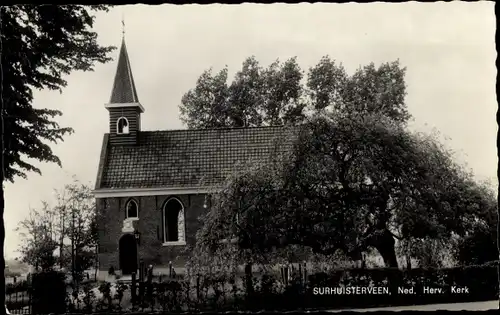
41,44
63,234
349,184
280,94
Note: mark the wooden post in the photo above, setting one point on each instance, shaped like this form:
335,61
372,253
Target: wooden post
305,274
170,269
248,278
141,292
150,285
300,273
286,275
134,289
141,271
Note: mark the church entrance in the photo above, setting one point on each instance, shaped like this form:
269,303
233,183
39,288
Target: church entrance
128,254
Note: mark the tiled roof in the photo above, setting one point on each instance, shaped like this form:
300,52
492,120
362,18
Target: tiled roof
124,90
188,158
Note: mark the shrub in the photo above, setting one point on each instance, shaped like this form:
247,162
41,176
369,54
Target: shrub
49,293
480,280
20,286
225,292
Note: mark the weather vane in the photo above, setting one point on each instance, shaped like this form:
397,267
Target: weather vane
123,25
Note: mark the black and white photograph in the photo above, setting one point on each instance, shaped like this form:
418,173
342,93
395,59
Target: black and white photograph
249,157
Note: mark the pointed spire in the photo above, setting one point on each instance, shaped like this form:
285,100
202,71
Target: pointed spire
124,87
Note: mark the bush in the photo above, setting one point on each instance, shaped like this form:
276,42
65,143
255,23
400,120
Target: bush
49,293
481,282
225,292
20,286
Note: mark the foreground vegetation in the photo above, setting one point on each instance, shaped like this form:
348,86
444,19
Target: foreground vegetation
268,291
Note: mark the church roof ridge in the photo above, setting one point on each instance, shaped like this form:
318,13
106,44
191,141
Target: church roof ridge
216,129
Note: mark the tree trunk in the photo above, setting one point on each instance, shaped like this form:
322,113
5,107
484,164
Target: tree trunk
61,239
408,255
385,245
408,262
248,279
73,246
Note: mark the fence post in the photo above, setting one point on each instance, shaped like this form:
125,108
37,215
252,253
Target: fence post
150,285
248,279
133,289
140,297
305,275
300,274
170,269
141,271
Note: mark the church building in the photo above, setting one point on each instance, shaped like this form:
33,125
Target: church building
152,186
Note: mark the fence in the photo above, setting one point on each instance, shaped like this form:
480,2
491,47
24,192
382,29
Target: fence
18,295
290,288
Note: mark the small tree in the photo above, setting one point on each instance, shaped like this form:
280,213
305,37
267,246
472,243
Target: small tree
38,246
68,228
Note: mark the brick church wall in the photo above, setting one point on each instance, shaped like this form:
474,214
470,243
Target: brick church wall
111,213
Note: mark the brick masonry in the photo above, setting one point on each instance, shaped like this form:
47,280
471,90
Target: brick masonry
111,213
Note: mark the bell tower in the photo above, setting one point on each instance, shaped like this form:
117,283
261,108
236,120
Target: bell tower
124,107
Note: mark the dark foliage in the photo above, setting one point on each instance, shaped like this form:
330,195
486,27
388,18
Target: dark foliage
274,293
48,293
480,281
39,45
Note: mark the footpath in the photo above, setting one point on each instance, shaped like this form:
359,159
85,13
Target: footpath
471,306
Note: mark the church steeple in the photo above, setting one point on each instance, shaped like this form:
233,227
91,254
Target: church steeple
124,106
124,90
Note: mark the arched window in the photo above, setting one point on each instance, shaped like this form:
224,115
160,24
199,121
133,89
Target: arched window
122,126
132,210
173,222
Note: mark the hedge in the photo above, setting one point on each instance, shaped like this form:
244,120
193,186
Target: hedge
480,281
20,286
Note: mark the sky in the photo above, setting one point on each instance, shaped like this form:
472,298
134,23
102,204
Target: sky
447,48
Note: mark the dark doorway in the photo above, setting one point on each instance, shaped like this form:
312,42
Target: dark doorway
128,254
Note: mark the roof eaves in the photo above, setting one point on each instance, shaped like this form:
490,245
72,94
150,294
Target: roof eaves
102,161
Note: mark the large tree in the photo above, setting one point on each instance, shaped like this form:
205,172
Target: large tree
279,94
348,184
40,44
